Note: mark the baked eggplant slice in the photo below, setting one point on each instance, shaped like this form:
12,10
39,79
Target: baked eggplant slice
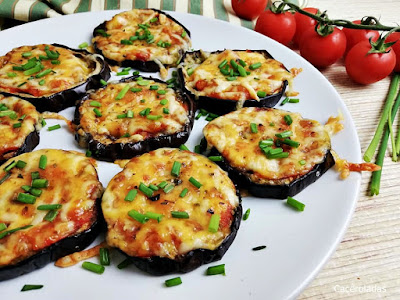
223,81
20,124
131,117
171,211
49,203
51,77
273,153
146,39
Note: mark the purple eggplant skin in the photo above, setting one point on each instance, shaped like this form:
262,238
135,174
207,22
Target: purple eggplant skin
193,259
66,246
221,106
69,97
144,66
276,191
116,151
31,141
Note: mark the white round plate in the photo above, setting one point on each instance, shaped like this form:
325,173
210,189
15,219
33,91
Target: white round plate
298,243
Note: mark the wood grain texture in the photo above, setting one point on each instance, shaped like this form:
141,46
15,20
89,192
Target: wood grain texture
366,264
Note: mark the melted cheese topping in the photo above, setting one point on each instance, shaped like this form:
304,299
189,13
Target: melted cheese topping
73,183
123,26
171,237
207,79
11,139
73,69
109,128
231,135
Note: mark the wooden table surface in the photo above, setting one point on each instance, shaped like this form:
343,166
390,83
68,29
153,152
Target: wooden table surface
366,264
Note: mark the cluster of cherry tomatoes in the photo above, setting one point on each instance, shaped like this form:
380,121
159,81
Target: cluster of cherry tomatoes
368,56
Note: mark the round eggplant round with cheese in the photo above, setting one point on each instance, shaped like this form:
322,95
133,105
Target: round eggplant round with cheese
51,77
171,210
20,124
146,39
49,203
271,152
131,117
223,81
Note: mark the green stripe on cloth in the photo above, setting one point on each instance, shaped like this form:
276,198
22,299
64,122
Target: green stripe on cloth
112,4
83,6
167,5
195,7
220,11
247,24
38,11
140,4
57,3
7,8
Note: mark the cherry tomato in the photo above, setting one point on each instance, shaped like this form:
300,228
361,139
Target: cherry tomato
354,36
248,9
367,68
322,51
395,36
303,23
280,27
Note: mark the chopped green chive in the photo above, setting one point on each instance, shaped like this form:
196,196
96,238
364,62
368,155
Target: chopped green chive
183,34
5,177
176,168
129,114
10,166
125,263
145,112
95,103
286,100
3,226
180,214
253,127
143,82
122,73
51,215
8,113
153,118
49,206
95,268
17,125
162,184
55,127
242,63
216,270
103,32
135,90
284,134
135,73
154,216
242,71
153,187
26,198
165,110
161,92
190,71
246,214
122,116
134,214
21,84
174,73
32,71
296,204
131,195
30,287
35,192
52,54
122,93
233,78
153,87
43,162
103,82
184,192
168,188
104,257
42,82
214,223
173,282
97,112
83,45
255,66
266,143
261,94
294,100
20,164
143,101
8,232
40,183
291,143
29,65
26,54
197,149
302,162
163,101
288,119
259,248
18,68
193,181
126,135
153,20
55,62
35,175
216,158
11,74
126,42
145,190
234,64
88,153
222,64
183,147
